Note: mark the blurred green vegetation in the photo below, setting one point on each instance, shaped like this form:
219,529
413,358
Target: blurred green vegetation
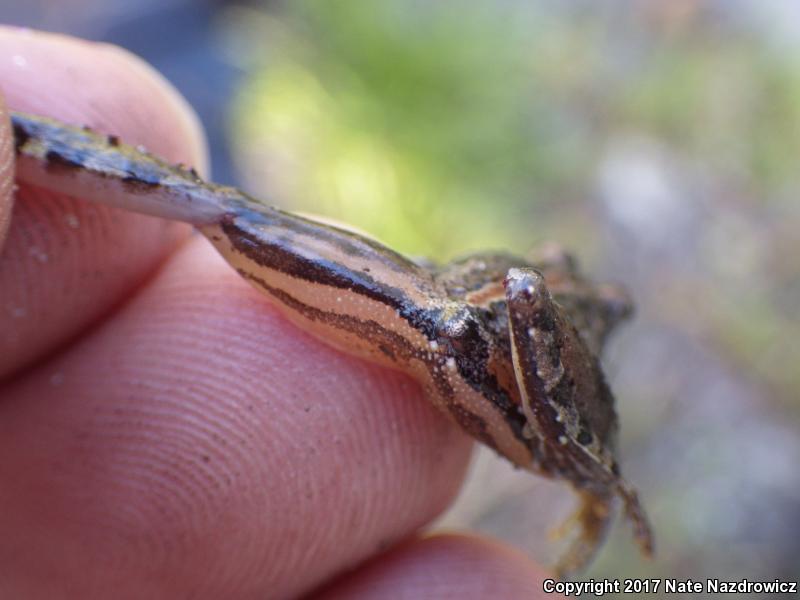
425,130
412,119
441,131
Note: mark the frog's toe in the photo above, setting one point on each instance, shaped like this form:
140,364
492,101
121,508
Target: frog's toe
592,520
642,532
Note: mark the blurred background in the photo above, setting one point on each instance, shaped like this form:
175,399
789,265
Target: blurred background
659,141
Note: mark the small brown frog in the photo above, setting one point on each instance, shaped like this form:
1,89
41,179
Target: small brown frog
506,347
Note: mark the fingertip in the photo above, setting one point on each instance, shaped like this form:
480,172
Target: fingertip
237,449
101,86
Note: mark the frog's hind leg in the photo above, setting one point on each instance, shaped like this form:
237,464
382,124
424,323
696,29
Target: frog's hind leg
592,520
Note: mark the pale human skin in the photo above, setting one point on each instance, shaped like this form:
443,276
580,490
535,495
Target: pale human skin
156,433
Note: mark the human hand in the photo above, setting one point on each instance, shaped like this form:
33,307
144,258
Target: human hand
164,432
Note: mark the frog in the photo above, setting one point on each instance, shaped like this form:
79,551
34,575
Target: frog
507,347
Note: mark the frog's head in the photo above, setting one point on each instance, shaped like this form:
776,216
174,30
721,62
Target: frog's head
594,309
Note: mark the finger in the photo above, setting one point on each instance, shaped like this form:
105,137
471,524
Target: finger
65,264
198,443
444,566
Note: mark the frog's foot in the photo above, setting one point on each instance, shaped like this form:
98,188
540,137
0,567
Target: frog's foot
592,520
642,532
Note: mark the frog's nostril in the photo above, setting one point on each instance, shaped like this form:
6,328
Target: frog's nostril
524,284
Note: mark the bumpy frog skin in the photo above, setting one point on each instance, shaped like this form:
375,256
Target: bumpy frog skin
506,347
